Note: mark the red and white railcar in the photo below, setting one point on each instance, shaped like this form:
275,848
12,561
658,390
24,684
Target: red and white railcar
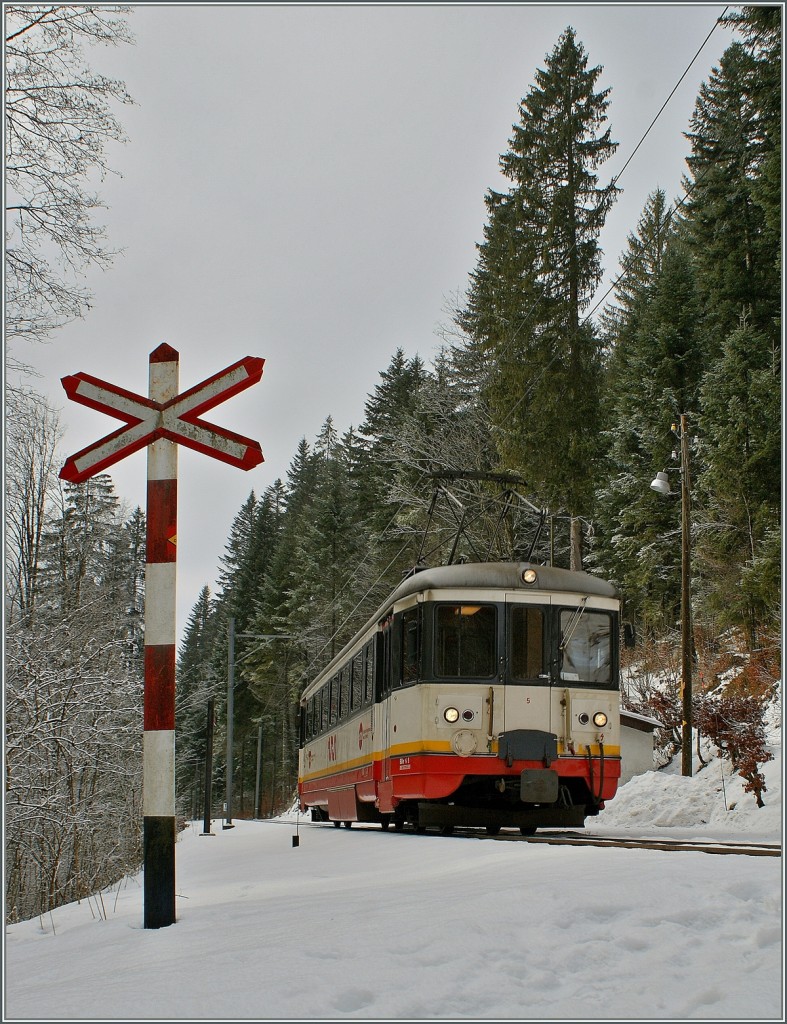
483,694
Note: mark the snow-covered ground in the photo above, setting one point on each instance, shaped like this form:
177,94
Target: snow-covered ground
370,925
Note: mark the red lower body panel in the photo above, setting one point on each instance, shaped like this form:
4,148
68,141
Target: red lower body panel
436,777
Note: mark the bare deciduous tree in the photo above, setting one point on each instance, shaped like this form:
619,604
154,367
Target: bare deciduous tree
32,434
72,761
58,120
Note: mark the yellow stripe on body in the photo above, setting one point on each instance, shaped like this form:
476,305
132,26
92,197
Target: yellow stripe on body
401,750
581,750
441,747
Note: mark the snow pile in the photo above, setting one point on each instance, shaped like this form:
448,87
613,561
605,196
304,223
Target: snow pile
710,804
713,797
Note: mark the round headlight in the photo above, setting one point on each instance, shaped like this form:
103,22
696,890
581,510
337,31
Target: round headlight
584,718
529,576
468,715
451,714
599,719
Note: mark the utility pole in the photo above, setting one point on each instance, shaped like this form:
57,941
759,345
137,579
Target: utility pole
230,714
259,770
208,770
661,485
685,593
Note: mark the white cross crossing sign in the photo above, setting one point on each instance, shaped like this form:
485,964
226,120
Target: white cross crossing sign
176,420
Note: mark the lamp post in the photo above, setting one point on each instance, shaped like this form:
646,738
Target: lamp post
661,484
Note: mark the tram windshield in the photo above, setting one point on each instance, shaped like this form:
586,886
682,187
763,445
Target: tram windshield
466,640
587,648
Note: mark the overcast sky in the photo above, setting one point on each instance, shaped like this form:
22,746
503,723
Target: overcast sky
306,183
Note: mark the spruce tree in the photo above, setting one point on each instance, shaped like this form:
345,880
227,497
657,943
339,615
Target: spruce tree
733,225
734,249
660,379
392,399
537,269
761,28
196,683
740,487
635,437
275,656
326,551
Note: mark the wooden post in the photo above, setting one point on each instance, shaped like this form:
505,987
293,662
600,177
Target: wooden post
259,769
208,770
685,598
230,715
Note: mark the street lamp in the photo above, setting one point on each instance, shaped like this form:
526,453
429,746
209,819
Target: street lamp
661,484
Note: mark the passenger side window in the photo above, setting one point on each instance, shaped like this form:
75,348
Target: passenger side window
334,688
368,679
357,680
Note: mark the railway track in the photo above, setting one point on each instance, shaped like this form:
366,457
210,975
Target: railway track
664,845
560,838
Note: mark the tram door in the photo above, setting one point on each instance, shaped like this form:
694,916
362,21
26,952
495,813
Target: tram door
528,702
383,699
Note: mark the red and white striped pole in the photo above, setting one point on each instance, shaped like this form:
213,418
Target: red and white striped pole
161,422
158,778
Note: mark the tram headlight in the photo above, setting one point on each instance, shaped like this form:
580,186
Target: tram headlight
599,719
451,714
529,576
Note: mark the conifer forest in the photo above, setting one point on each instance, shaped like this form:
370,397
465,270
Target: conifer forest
532,434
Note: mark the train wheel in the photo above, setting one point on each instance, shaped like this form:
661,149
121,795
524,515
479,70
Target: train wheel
337,824
493,830
446,830
348,824
527,830
384,824
398,824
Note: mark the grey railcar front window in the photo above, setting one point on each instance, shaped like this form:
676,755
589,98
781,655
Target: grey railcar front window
587,647
466,641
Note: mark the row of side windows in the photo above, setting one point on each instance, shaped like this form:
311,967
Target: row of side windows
351,689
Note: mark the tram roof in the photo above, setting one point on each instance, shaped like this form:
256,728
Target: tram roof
502,576
480,576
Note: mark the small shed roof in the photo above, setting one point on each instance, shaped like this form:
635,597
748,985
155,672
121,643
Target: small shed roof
641,722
